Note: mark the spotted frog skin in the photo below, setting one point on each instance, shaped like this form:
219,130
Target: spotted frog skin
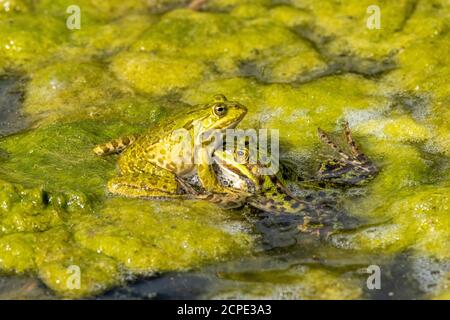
269,193
150,165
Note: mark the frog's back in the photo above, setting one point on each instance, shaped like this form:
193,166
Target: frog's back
152,146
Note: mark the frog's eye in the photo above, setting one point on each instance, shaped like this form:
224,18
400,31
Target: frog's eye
220,110
242,155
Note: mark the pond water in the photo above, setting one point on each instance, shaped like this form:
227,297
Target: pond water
296,65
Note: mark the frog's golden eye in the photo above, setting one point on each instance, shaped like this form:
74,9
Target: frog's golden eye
242,154
220,109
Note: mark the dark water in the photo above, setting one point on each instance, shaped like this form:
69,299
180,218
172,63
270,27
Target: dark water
403,277
18,287
11,98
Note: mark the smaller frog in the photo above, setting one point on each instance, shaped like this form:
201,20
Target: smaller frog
269,193
152,165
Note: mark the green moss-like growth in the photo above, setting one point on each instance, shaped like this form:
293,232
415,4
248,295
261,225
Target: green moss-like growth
11,7
147,73
418,218
111,37
92,10
169,236
26,40
230,43
59,91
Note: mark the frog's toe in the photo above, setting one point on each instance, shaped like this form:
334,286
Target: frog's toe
114,146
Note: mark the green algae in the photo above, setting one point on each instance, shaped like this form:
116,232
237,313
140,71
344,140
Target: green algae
11,7
92,10
226,42
147,73
105,39
417,218
58,84
168,237
297,65
26,41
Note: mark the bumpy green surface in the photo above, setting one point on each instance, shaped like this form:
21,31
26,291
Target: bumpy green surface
296,64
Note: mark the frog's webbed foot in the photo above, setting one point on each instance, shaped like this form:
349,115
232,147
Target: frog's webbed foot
353,168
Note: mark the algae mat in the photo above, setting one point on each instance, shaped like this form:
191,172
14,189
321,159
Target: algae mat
297,65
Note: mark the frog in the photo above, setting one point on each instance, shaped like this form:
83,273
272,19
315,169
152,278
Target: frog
315,213
154,164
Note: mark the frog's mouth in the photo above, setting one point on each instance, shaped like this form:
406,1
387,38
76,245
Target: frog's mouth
235,123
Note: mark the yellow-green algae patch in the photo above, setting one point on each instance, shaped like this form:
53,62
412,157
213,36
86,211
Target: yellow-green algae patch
230,43
26,40
147,72
346,27
73,90
92,10
416,218
104,39
168,236
10,7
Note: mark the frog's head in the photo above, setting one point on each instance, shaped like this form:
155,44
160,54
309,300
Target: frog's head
222,114
235,169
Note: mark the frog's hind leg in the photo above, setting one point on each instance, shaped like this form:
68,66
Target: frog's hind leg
353,168
115,146
148,186
230,200
326,138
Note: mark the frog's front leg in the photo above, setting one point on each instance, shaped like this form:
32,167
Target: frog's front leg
215,192
208,179
205,170
143,185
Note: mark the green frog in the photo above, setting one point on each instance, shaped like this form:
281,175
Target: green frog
154,164
315,211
